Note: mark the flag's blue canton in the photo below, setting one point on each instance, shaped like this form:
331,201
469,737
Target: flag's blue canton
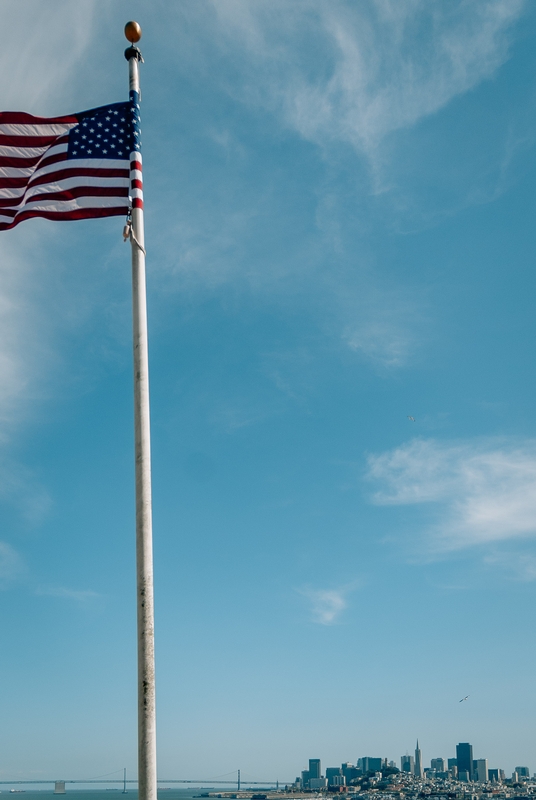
106,132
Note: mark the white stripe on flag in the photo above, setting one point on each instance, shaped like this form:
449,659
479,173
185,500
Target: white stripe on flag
64,185
62,206
21,129
81,180
23,152
71,163
16,172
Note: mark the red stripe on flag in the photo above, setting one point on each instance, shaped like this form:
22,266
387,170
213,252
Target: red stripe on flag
55,159
21,117
29,141
13,161
81,191
13,183
61,216
75,172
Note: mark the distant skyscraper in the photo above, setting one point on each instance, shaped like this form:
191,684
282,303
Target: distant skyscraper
464,759
350,772
305,779
314,769
333,772
438,764
523,772
371,764
418,771
407,763
481,765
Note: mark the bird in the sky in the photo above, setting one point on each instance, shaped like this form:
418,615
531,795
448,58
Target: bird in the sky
465,698
411,419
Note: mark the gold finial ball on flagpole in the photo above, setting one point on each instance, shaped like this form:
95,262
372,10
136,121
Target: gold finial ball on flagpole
133,31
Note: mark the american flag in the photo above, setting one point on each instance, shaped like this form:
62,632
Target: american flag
72,167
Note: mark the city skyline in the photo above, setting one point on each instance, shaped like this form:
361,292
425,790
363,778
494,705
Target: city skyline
464,769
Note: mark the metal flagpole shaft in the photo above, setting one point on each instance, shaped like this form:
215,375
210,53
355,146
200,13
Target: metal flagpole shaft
144,543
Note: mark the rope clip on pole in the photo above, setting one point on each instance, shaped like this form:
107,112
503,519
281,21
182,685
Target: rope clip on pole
128,233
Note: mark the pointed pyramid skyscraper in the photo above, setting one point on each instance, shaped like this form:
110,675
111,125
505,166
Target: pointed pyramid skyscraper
418,762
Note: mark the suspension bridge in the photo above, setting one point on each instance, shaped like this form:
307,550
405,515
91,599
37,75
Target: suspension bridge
223,780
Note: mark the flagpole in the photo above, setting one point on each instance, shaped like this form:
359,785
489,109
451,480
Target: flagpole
144,538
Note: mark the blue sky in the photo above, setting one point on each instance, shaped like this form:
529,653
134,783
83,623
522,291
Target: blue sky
340,232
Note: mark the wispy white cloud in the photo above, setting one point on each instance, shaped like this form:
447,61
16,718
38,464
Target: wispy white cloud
20,488
23,350
385,339
518,566
484,490
337,73
80,596
31,28
11,565
385,64
327,605
37,36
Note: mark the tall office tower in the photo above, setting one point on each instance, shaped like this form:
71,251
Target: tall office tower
452,763
371,764
418,771
523,772
314,769
350,772
333,772
464,759
481,765
438,764
407,764
305,779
